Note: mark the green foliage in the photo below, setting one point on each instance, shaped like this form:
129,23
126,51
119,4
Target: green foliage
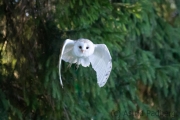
143,39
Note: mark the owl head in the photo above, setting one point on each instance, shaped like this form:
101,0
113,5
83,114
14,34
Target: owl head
83,48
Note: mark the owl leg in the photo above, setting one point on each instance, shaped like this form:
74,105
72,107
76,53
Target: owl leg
74,60
77,66
78,63
69,65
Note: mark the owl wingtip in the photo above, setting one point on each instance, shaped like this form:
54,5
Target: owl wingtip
101,84
62,85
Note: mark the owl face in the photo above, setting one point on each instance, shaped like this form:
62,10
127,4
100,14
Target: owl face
83,48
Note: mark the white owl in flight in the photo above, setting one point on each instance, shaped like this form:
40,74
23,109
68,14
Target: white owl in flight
83,52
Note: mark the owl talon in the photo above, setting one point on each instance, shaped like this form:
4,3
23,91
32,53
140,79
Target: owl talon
69,65
77,66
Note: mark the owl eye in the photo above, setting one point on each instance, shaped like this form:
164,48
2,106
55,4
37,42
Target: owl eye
80,47
87,47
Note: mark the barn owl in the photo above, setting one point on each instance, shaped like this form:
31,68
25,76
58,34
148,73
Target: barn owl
84,52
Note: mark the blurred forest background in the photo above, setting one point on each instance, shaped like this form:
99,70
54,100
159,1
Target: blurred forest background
143,37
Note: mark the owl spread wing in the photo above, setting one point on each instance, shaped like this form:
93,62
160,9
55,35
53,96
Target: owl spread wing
66,55
101,63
